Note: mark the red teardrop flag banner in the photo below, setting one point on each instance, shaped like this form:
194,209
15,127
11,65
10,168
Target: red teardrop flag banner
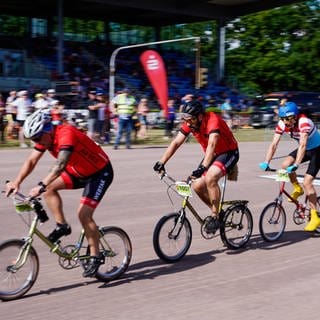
156,72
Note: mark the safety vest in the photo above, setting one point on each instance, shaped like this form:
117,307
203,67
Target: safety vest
125,104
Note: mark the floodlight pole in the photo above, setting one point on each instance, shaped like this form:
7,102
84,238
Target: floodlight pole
112,66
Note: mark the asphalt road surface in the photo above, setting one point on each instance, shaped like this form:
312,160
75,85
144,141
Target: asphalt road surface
264,281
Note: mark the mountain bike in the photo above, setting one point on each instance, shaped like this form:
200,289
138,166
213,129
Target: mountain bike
19,261
272,221
173,234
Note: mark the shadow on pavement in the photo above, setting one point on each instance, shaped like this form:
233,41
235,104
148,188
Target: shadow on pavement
154,268
288,238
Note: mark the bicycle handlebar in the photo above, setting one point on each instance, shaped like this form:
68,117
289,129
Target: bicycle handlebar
271,169
165,174
34,203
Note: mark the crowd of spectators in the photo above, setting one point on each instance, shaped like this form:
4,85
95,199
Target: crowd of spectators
85,64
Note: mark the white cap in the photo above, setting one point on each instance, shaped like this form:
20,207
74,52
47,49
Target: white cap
51,91
22,93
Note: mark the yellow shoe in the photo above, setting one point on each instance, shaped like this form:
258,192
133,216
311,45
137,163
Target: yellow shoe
314,222
296,193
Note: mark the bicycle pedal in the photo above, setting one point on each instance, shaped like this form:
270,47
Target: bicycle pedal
299,217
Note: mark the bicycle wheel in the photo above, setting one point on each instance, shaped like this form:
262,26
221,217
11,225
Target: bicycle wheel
236,227
115,245
172,237
272,222
16,280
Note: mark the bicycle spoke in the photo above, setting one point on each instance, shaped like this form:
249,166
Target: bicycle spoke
272,222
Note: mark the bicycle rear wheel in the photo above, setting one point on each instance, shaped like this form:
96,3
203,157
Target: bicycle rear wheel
16,280
236,226
115,246
272,222
172,237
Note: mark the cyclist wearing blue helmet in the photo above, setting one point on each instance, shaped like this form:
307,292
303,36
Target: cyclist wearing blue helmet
303,130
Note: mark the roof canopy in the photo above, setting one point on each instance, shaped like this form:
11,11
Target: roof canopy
141,12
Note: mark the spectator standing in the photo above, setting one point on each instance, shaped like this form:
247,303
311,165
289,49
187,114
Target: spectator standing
23,106
11,112
142,112
93,114
101,124
107,119
170,119
40,102
125,106
3,120
226,112
51,95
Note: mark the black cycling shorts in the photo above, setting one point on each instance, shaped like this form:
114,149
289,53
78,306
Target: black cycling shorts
226,161
94,186
313,156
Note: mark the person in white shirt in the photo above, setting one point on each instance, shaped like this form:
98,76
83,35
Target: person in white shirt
11,113
23,106
40,102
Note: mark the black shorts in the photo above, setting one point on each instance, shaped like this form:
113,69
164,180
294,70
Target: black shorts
313,156
226,161
94,186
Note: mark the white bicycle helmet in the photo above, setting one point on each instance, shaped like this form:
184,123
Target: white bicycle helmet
37,122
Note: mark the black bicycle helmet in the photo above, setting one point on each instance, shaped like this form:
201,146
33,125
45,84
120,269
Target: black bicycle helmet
192,108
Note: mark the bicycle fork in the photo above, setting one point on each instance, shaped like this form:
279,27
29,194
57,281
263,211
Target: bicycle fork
178,224
25,249
22,257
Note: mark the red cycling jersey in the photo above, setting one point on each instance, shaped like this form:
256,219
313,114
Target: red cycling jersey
212,123
87,157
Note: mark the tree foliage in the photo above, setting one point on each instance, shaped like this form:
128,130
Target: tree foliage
277,49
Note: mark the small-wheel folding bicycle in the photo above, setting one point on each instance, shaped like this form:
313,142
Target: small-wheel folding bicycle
173,234
272,221
19,261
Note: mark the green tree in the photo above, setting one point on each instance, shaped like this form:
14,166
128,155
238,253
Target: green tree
276,49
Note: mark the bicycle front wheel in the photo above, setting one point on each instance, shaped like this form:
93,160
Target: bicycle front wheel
172,237
115,246
18,269
272,222
236,227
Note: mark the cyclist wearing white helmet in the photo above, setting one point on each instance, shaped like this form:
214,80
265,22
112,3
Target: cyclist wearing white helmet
80,164
303,130
37,123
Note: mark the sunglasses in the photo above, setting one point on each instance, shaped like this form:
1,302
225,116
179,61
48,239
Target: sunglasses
189,120
287,118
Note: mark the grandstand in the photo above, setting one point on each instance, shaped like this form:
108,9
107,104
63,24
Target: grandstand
32,34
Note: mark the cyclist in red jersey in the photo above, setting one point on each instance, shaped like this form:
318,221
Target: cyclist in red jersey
80,163
221,155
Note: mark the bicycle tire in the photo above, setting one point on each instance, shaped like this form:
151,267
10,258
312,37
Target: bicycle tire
167,247
236,226
115,246
272,222
15,283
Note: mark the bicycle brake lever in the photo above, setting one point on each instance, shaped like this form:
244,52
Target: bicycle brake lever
162,174
189,180
10,192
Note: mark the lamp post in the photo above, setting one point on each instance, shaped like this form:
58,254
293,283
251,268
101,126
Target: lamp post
112,64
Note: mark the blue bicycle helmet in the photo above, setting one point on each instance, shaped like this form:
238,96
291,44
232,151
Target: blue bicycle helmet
289,109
